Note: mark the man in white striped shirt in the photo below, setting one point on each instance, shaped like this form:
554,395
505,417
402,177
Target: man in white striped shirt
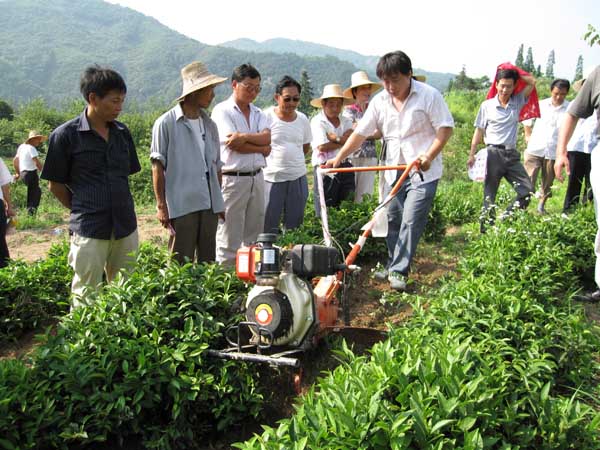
416,124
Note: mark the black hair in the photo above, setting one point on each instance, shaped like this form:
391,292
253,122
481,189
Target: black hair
244,71
100,81
560,83
394,63
285,82
511,74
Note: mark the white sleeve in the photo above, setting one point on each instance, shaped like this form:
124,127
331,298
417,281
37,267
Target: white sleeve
224,123
33,153
5,176
264,122
439,114
307,134
368,125
319,133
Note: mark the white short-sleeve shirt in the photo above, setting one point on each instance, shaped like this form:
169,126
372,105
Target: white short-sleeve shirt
320,126
544,136
286,161
5,178
585,136
410,132
230,119
26,153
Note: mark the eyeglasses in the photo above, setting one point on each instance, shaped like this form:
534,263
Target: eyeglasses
251,88
291,99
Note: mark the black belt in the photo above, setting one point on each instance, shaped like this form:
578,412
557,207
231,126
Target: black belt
242,174
501,147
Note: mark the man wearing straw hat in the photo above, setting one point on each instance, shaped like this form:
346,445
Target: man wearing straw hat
586,104
330,130
186,168
26,163
361,89
88,164
245,135
416,123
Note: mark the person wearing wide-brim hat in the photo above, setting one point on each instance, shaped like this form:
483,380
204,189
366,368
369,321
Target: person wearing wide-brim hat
361,90
27,163
186,168
330,130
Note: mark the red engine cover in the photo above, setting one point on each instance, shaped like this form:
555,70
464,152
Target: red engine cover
245,263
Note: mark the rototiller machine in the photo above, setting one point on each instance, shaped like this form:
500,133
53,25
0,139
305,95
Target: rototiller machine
294,302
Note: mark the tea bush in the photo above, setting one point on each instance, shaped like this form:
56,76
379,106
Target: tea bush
500,358
133,364
31,294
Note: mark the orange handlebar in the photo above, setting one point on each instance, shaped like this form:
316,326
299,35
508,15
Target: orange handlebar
361,169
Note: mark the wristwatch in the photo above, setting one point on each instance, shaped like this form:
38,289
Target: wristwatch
338,140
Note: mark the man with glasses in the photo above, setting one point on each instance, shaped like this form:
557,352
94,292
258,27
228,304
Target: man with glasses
286,187
415,123
245,136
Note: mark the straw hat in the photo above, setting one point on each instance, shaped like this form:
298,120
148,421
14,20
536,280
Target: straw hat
196,76
331,91
34,134
421,78
577,84
358,79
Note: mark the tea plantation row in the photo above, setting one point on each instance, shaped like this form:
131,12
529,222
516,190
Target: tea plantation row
501,359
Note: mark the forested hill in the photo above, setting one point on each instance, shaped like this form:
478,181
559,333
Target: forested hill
46,45
279,45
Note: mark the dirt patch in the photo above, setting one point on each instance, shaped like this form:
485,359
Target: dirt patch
32,245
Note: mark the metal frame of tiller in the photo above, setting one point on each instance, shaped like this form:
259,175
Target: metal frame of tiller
324,294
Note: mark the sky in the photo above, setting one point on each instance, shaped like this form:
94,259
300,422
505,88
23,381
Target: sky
439,36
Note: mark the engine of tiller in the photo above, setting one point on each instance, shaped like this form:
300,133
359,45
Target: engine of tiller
293,299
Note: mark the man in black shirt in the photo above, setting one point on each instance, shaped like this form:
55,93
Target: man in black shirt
88,163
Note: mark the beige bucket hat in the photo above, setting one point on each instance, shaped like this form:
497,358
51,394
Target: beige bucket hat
331,91
195,76
34,134
361,78
577,84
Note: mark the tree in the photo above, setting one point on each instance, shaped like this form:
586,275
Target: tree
6,111
529,65
550,65
306,94
519,60
591,36
579,69
462,82
538,71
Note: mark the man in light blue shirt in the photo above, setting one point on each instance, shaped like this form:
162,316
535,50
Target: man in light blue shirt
497,124
186,168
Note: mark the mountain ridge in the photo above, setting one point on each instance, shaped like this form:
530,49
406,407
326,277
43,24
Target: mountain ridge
47,45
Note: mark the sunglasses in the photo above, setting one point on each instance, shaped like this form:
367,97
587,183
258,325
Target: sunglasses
251,88
291,99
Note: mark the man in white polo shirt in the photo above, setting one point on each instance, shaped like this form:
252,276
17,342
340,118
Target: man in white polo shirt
245,135
497,123
416,124
541,137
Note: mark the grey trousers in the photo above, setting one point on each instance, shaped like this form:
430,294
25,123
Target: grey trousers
194,237
287,198
504,163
